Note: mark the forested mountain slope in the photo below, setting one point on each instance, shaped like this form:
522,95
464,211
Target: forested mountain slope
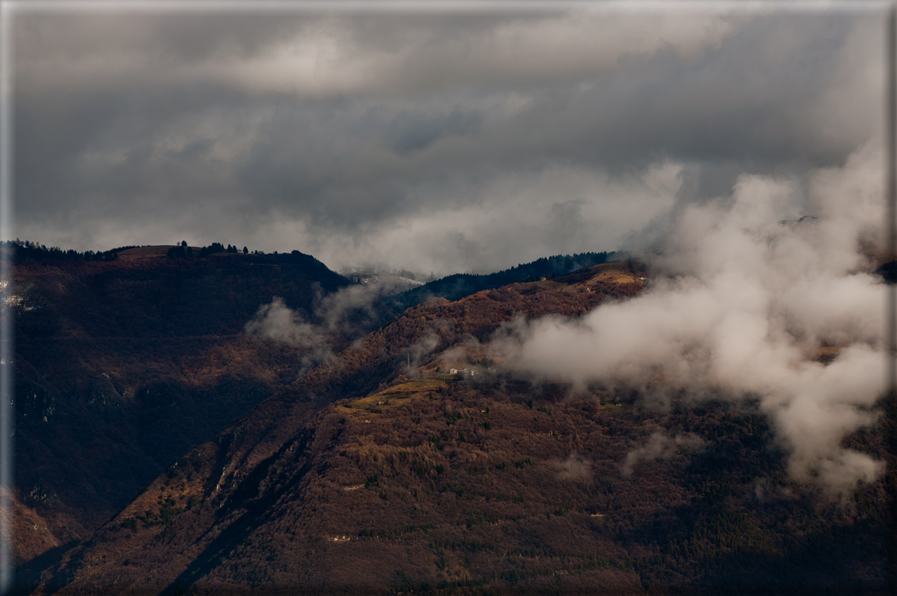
382,471
122,365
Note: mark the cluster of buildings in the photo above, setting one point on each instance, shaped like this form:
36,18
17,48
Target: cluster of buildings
465,372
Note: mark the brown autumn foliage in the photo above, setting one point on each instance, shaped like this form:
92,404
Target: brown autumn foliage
367,477
473,489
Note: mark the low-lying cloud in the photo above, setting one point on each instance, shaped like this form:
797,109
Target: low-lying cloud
660,446
419,350
347,313
574,468
742,297
276,321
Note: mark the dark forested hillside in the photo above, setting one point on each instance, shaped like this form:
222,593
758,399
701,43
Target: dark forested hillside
459,285
124,364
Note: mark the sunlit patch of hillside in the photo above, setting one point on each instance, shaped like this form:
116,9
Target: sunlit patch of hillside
393,396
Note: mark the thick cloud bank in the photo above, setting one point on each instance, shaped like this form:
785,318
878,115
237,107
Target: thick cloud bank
436,141
743,296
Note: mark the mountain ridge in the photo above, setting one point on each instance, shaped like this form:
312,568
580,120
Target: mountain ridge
273,425
393,467
106,345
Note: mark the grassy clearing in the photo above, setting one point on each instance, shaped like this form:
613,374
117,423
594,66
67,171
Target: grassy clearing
611,408
393,396
616,276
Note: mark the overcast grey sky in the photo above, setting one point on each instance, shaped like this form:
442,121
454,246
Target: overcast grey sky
431,140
